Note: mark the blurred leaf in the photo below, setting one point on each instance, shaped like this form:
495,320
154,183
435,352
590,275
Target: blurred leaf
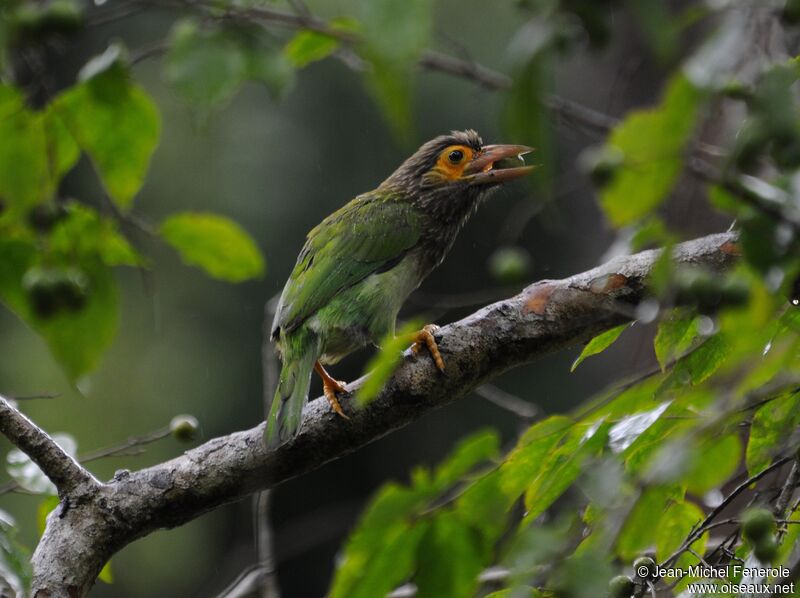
43,510
385,362
394,35
526,120
516,592
712,463
75,338
652,142
625,432
659,30
484,505
110,102
469,452
309,46
528,459
599,344
63,151
24,173
449,557
105,575
217,245
206,65
772,425
680,416
85,234
563,466
267,66
533,546
674,337
15,567
700,364
677,522
646,516
580,574
379,554
759,239
28,475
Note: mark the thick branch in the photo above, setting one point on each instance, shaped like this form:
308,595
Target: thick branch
545,317
64,471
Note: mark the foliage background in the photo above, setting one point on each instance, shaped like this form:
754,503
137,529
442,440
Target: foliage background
277,164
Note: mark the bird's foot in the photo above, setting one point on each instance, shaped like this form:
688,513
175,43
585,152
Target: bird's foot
424,338
330,387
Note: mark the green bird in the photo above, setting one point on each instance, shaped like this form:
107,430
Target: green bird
359,265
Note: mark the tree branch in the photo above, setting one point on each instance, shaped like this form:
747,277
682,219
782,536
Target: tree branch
66,473
544,318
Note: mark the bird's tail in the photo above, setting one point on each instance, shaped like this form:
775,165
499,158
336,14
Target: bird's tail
286,411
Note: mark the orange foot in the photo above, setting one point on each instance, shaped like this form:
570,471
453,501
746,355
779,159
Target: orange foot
329,388
424,338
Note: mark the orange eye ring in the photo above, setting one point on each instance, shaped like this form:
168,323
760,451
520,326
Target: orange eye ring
455,156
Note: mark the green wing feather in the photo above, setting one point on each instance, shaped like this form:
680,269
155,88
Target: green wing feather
370,234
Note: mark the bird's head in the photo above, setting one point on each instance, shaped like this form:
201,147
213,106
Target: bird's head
457,169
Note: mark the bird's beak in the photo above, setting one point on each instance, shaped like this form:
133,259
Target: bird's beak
498,164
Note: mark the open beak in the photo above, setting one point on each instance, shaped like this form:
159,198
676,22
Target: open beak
498,164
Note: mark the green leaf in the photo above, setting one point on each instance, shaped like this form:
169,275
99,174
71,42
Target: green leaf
625,432
772,426
516,592
28,475
85,234
105,575
62,149
484,505
43,510
217,245
394,35
309,46
385,362
117,124
599,344
674,337
712,463
76,338
646,516
205,65
380,553
699,365
563,466
208,65
679,519
652,142
477,448
24,170
450,557
528,459
15,567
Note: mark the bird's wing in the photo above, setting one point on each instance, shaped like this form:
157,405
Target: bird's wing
370,234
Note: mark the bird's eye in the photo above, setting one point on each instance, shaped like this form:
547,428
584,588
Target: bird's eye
455,156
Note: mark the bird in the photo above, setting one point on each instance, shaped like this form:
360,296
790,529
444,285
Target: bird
358,266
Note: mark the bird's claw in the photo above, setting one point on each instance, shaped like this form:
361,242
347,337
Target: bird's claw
425,338
330,387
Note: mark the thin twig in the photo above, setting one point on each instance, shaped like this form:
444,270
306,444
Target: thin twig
505,400
704,525
36,396
787,492
124,448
